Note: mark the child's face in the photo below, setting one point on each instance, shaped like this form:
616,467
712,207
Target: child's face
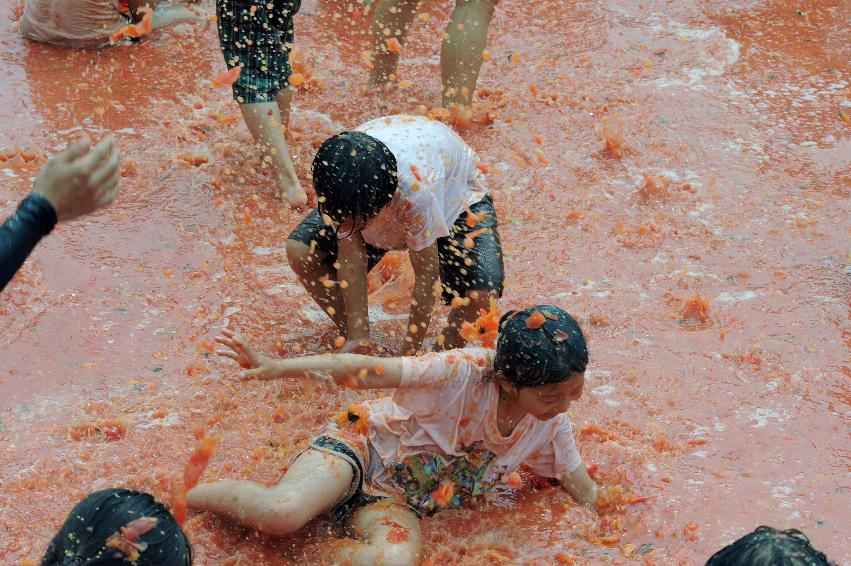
548,401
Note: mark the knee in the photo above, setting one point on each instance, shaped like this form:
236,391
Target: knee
281,518
474,302
298,255
398,555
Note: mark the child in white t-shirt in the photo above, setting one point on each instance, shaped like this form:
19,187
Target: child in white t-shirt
459,422
399,183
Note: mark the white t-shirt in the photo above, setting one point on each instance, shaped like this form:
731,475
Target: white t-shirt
437,179
445,409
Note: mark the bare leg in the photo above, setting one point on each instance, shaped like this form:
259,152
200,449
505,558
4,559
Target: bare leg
311,487
461,53
390,536
264,122
395,16
166,14
312,268
284,101
451,333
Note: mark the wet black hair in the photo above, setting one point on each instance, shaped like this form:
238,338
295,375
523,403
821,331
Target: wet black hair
548,349
100,515
355,176
769,547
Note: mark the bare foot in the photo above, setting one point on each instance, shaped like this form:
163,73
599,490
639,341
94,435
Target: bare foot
296,197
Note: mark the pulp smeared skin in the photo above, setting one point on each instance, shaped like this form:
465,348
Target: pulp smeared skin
754,220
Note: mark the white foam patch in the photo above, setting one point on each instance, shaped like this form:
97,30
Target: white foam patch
736,297
703,41
604,389
284,288
762,416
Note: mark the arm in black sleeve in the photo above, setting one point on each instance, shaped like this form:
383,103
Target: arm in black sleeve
34,219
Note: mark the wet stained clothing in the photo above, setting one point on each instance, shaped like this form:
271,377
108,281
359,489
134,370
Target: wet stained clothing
439,429
439,188
33,220
258,35
438,179
78,24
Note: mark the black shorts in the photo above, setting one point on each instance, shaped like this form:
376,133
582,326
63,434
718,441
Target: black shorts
258,38
479,268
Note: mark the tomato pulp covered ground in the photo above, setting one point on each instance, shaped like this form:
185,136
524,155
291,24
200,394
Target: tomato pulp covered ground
675,174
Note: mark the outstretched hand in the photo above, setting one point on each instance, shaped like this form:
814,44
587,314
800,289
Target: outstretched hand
81,179
255,365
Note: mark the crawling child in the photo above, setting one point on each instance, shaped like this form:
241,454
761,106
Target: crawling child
399,183
457,424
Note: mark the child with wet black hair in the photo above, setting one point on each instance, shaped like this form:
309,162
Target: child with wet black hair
399,183
769,547
458,423
114,527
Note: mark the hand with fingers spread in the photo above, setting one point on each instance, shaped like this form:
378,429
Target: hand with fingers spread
255,365
81,179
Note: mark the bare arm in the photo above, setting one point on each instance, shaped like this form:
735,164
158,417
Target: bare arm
350,370
580,486
353,270
427,276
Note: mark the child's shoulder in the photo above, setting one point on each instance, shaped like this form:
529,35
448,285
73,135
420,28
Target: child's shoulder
463,364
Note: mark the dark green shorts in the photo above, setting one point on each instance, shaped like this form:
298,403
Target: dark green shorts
259,38
477,269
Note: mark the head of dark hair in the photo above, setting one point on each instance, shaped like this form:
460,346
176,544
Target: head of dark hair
769,547
354,176
538,346
82,540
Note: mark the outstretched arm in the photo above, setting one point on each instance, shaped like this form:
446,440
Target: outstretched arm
77,181
351,370
580,486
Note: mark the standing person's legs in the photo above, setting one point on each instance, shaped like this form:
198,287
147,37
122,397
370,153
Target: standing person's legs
395,16
461,52
260,41
314,484
266,122
389,534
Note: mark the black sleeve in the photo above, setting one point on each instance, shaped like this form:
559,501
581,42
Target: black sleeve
34,219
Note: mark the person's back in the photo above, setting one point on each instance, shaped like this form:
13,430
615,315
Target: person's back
78,24
766,546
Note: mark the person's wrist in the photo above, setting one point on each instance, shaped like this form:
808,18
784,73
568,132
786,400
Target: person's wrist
40,206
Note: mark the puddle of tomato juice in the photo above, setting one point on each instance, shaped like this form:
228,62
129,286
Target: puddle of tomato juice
674,175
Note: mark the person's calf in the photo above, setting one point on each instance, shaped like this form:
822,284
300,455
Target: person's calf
312,272
392,22
466,310
461,52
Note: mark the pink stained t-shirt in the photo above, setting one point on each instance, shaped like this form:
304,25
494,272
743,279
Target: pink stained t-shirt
437,179
441,422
